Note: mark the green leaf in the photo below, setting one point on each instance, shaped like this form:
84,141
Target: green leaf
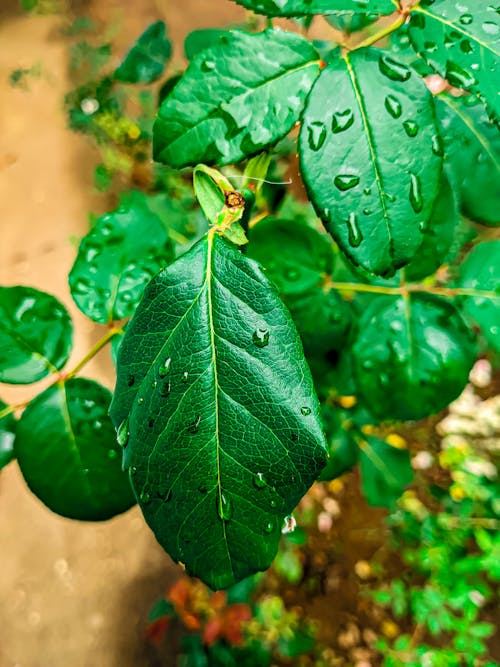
7,436
35,335
460,40
385,472
235,98
412,356
370,157
67,451
295,255
199,40
146,60
341,443
481,272
121,253
470,138
224,435
305,7
351,22
438,237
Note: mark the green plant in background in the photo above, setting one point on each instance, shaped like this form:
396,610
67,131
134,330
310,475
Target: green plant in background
251,328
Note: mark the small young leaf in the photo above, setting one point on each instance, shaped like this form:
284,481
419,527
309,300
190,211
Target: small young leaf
295,255
385,472
67,451
7,436
412,356
146,60
199,40
481,272
121,253
35,335
460,40
306,7
368,157
235,99
225,434
472,155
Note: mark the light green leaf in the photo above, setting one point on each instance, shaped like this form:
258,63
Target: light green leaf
117,258
371,158
67,451
146,60
7,436
199,40
385,472
35,335
412,356
472,148
235,99
481,272
216,406
305,7
461,41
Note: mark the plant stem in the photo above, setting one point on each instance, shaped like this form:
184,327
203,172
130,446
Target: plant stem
102,342
382,33
9,409
409,288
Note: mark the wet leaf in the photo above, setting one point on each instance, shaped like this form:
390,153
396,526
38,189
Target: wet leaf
385,472
199,40
305,7
117,258
368,157
235,98
412,356
146,60
67,451
7,436
472,149
481,272
213,389
35,335
461,41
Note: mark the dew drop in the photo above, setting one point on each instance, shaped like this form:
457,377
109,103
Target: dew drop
289,525
316,135
305,411
458,77
130,380
354,233
261,336
366,211
345,182
269,527
393,69
367,191
411,128
259,480
208,66
437,146
165,368
112,454
165,389
416,199
490,28
140,401
342,120
273,504
122,434
194,426
224,507
466,19
145,496
393,106
185,376
294,437
154,384
133,471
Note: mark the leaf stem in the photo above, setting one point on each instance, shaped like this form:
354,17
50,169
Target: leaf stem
406,288
369,41
102,342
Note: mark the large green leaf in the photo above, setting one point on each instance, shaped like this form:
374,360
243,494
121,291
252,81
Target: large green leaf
472,148
370,157
295,255
305,7
217,410
7,436
412,356
146,60
385,472
235,98
461,41
481,272
67,451
121,253
35,335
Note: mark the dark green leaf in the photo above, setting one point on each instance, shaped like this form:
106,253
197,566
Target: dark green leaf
472,150
481,272
28,5
67,451
199,40
7,436
385,472
235,98
412,356
223,423
341,443
350,22
305,7
146,60
370,157
460,40
120,254
295,255
35,335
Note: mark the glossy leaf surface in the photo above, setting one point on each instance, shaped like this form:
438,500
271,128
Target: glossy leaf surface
146,60
481,272
370,157
199,40
305,7
7,436
461,41
35,335
385,472
67,451
120,254
235,98
217,410
412,356
472,147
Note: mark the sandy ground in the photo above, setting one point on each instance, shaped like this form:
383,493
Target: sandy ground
72,594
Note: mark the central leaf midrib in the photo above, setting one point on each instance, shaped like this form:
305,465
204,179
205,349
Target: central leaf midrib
27,345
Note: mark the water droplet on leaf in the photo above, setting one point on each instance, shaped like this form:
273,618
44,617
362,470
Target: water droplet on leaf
354,233
261,336
316,135
165,368
305,411
259,480
393,106
122,435
224,507
416,199
393,69
345,182
342,120
411,128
